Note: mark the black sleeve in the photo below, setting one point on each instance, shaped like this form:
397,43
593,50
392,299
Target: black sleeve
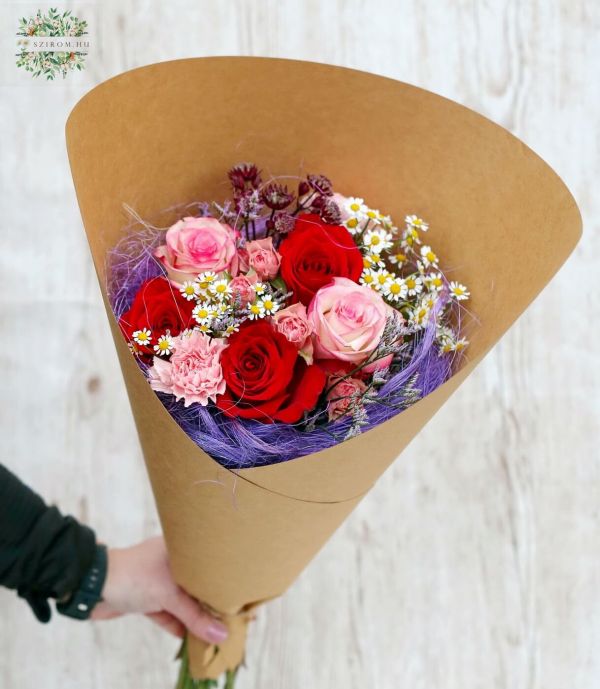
42,554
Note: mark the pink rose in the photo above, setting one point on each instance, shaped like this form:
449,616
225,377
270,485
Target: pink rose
343,395
194,372
263,258
293,323
194,245
241,286
348,321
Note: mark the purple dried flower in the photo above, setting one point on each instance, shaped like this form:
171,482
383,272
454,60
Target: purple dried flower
276,196
330,212
284,223
248,205
320,184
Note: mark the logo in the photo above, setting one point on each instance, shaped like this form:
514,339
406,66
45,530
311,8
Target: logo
52,44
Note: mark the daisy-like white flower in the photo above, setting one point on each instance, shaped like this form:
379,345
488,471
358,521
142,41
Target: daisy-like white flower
372,261
165,345
203,312
220,289
356,206
458,291
188,332
368,278
377,240
230,329
414,285
203,328
434,281
415,222
269,305
143,336
256,310
398,258
381,278
395,289
206,279
420,314
352,225
428,256
222,307
190,290
410,237
374,216
259,288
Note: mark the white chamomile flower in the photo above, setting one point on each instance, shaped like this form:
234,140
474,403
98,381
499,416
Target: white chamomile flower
395,289
190,290
415,222
420,314
374,216
410,237
220,289
398,258
203,328
188,332
256,310
231,328
222,308
203,312
356,206
259,288
414,285
381,278
377,240
164,346
143,336
206,279
269,305
458,291
368,278
372,261
428,256
434,282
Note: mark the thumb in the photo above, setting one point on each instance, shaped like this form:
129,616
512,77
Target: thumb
197,621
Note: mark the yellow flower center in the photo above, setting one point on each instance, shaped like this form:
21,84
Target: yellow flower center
255,308
410,283
371,214
268,304
352,222
395,288
375,239
354,207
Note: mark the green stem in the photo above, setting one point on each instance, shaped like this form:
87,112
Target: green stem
186,681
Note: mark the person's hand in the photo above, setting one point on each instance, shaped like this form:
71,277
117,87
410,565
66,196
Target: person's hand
139,580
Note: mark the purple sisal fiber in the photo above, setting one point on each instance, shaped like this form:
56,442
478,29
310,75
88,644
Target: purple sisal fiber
242,443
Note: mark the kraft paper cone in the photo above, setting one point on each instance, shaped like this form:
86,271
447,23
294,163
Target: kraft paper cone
166,134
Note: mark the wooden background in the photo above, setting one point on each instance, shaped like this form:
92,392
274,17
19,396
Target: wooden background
475,562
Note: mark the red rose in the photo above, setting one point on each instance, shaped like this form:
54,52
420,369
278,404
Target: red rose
314,253
158,307
266,379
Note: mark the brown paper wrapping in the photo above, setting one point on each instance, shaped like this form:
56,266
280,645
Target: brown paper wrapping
167,134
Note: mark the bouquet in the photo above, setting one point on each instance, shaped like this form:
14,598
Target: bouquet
278,324
281,340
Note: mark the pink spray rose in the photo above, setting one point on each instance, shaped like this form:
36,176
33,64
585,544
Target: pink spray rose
293,323
241,286
194,372
194,245
263,257
343,395
348,321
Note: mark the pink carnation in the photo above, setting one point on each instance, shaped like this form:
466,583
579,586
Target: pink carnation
343,396
293,323
263,258
194,372
194,245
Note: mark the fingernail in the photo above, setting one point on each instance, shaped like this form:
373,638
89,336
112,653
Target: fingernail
217,633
